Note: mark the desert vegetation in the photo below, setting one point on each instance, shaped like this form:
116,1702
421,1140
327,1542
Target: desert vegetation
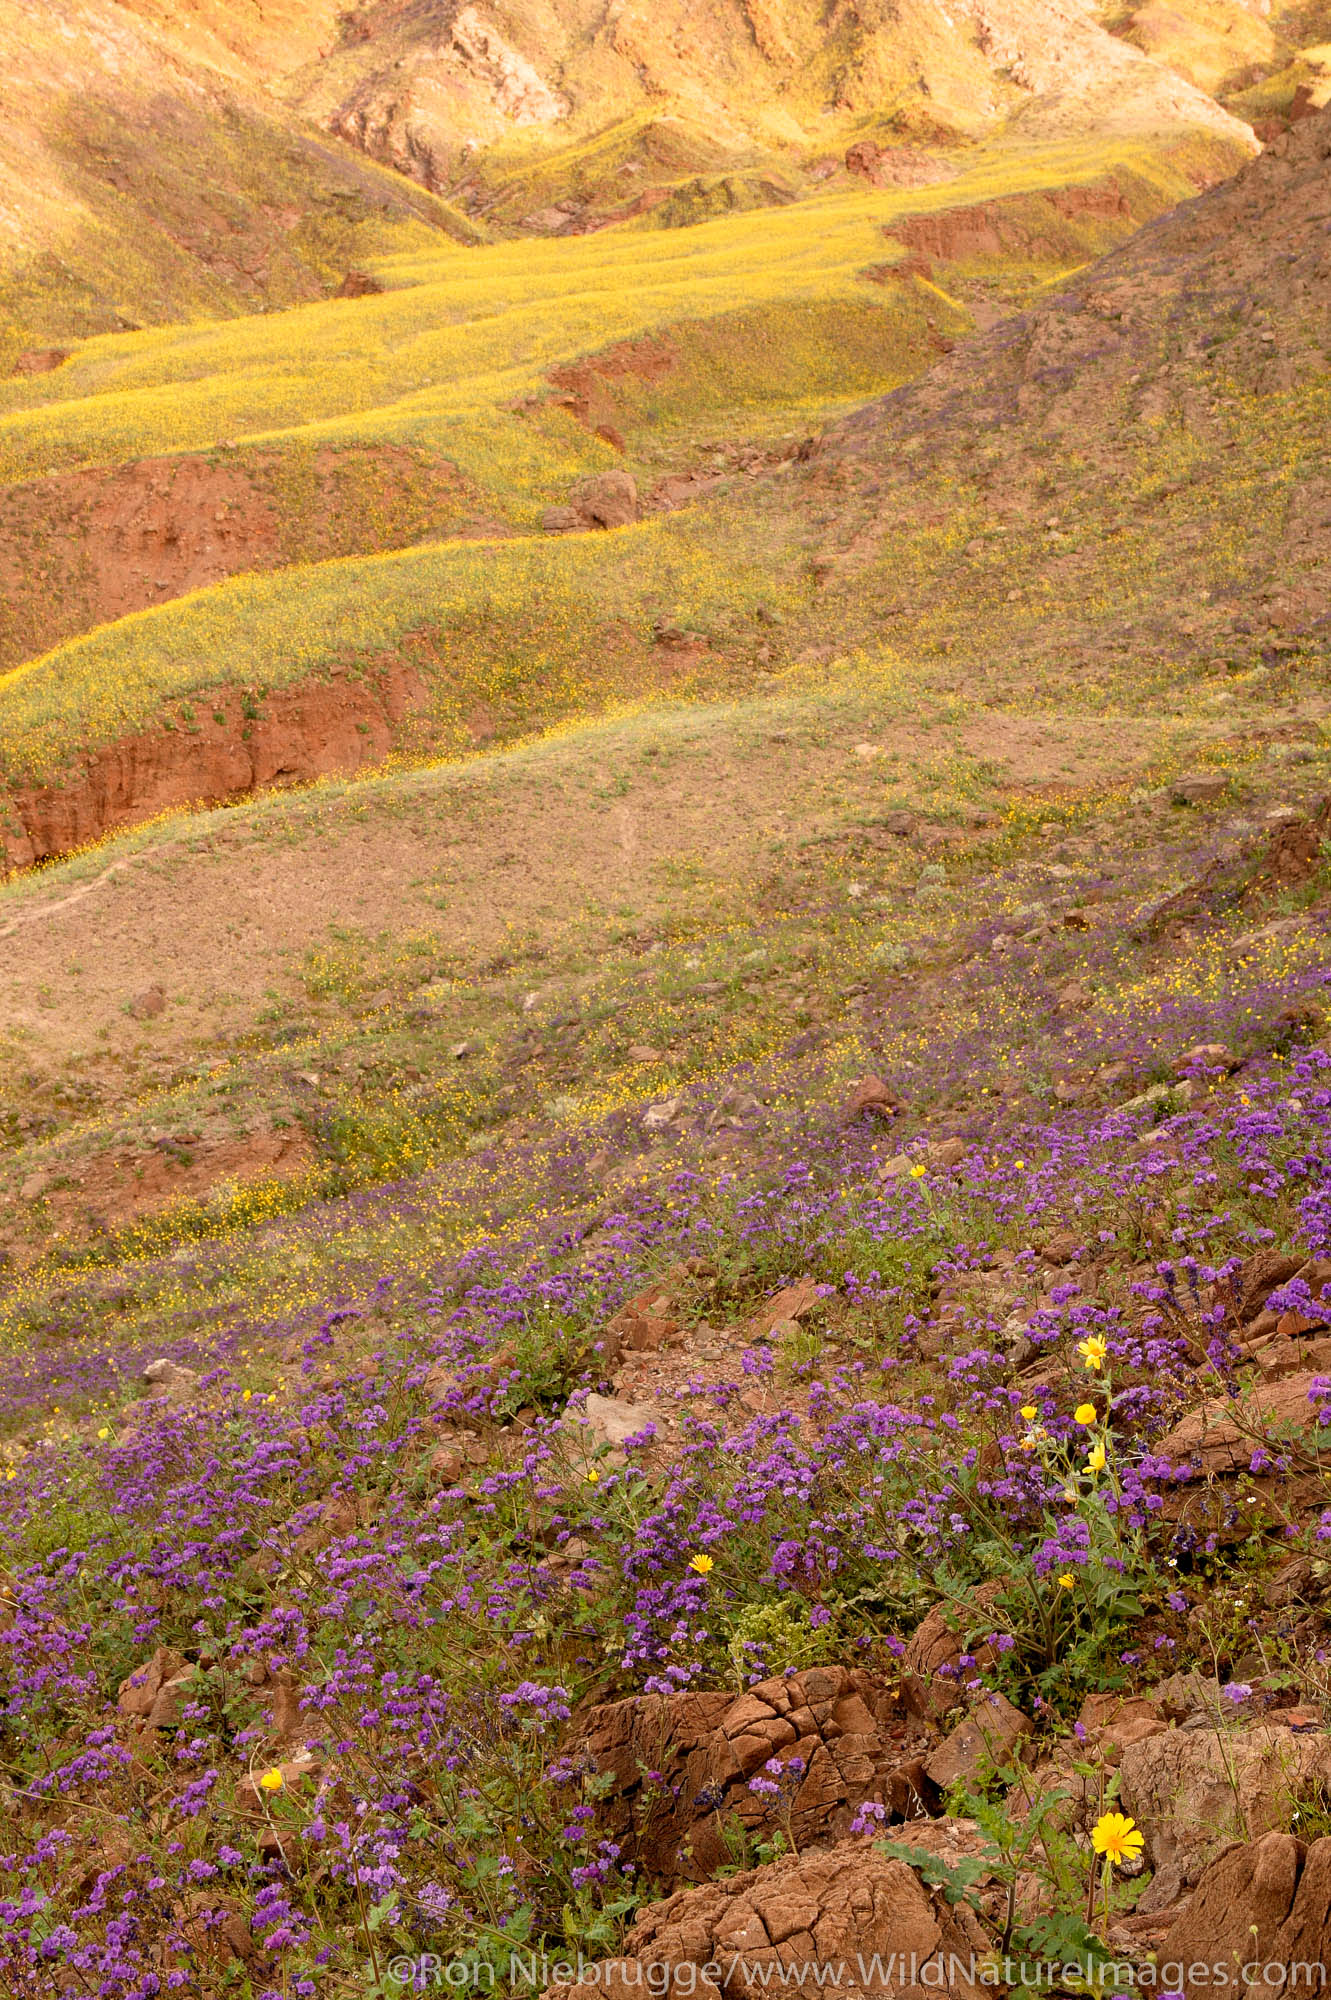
665,1264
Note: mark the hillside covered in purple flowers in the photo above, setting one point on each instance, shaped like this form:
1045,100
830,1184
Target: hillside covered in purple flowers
767,1420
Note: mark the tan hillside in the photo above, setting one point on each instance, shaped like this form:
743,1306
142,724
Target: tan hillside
771,74
138,184
1265,59
1236,283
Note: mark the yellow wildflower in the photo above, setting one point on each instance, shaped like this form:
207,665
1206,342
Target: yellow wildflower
1095,1458
1029,1412
103,1432
1085,1413
1092,1351
1116,1837
702,1564
1067,1581
917,1172
272,1781
593,1476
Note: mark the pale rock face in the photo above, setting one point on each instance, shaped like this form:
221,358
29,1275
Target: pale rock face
520,91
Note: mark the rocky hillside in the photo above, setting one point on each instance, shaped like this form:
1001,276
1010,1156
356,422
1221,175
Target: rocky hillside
139,183
162,161
775,75
1224,296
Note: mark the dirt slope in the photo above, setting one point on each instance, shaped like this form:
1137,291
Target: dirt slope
80,548
1137,468
1230,292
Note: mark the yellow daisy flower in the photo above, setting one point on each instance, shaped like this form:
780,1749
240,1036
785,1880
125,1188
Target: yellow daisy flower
702,1564
1116,1837
1085,1413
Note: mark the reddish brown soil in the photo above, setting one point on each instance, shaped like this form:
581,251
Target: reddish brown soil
1041,228
590,388
234,746
80,548
115,1191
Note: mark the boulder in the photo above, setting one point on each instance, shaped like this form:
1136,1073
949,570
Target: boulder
870,1097
644,1323
770,1927
791,1302
610,1420
1215,1442
1191,1790
607,499
1258,1907
930,1682
1196,788
169,1379
679,1765
986,1738
139,1691
1259,1276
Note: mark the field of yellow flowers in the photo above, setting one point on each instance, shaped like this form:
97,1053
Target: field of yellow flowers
774,322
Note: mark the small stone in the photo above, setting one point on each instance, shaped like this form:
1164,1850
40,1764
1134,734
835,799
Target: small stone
149,1004
445,1464
34,1187
869,1096
642,1053
614,1421
296,1771
1196,788
657,1117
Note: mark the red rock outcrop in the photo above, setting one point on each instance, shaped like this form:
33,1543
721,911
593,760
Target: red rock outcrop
236,745
680,1765
852,1909
1263,1913
78,549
